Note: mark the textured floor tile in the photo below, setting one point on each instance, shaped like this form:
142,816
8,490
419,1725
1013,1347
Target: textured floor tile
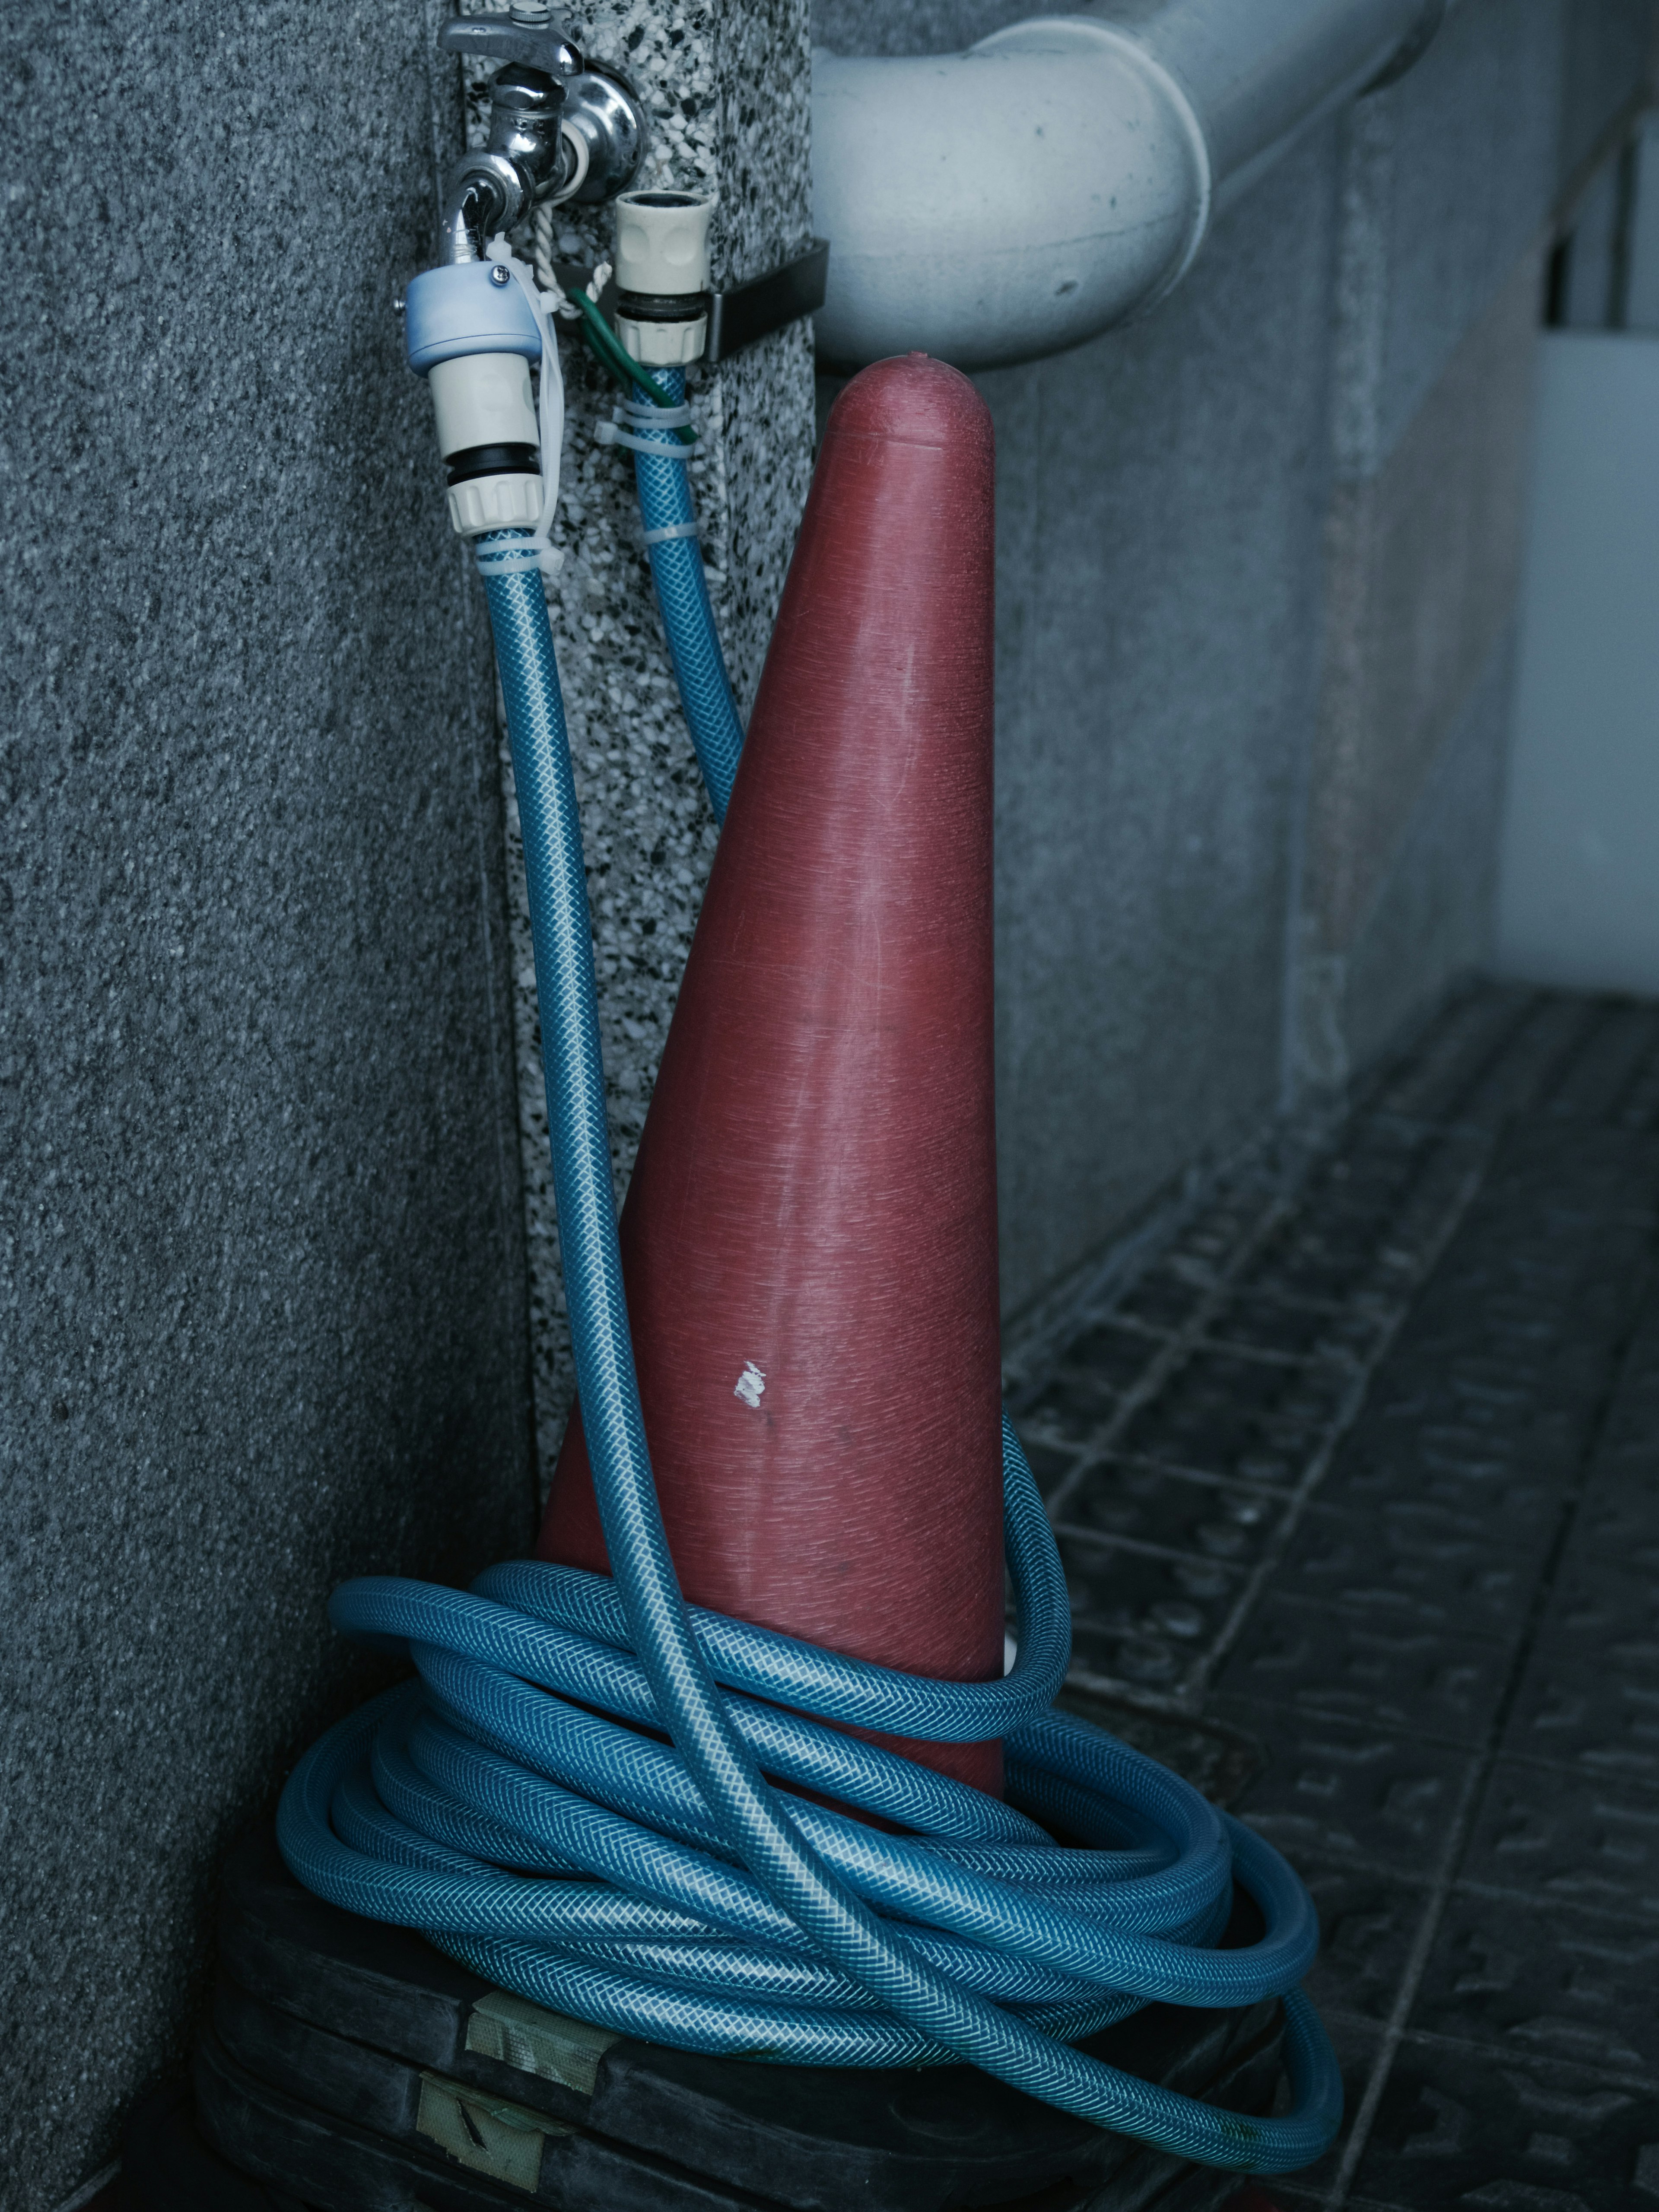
1619,1518
1534,1056
1363,1665
1556,1983
1331,1791
1368,1921
1457,2126
1596,1603
1482,1551
1443,1400
1219,1760
1595,1085
1226,1414
1295,1329
1140,1618
1169,1295
1462,1476
1462,1045
1112,1355
1590,1697
1586,1840
1429,1560
1226,1521
1072,1410
1335,1253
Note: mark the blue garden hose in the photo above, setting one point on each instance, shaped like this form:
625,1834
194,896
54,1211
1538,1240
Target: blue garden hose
697,1906
670,538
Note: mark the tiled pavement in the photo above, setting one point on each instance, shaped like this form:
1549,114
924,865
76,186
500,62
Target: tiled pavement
1356,1481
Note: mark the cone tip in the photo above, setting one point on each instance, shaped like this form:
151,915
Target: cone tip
915,397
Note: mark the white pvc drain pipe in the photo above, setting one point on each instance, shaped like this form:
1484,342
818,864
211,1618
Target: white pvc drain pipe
1059,177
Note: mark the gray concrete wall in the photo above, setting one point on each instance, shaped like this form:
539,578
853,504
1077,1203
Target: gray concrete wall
1447,183
1159,493
265,1308
1258,566
261,1302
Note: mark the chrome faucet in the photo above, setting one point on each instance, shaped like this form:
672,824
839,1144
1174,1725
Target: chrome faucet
562,127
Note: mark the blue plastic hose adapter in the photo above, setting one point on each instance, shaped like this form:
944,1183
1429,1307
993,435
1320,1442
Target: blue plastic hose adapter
466,307
694,1903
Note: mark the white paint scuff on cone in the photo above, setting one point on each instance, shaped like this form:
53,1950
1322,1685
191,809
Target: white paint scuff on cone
750,1383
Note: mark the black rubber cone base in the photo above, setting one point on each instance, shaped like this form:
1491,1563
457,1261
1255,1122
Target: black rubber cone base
352,2067
167,2167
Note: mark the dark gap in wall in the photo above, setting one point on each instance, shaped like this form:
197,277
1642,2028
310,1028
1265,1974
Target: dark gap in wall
1604,272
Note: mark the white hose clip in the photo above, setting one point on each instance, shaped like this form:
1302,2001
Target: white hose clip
550,404
629,417
508,555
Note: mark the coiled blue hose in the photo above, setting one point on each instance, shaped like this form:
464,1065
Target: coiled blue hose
676,571
698,1906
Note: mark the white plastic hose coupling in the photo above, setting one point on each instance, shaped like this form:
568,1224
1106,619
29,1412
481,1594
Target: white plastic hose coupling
488,433
484,399
473,334
503,503
662,275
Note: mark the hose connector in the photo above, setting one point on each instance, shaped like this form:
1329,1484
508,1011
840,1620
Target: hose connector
472,334
662,275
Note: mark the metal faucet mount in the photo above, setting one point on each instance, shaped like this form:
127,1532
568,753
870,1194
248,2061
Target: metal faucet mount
562,127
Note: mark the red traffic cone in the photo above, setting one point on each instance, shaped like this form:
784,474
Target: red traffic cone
809,1243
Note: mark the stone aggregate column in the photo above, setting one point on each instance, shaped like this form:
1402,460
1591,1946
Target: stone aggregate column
729,89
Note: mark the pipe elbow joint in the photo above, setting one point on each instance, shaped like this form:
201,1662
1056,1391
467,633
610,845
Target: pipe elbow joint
1055,159
1059,177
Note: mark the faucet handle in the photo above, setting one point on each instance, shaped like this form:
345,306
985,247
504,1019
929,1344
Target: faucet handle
528,35
603,117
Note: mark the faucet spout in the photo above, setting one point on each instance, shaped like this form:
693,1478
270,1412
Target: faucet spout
473,209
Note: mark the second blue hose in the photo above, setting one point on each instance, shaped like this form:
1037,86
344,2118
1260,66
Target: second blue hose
677,569
694,1905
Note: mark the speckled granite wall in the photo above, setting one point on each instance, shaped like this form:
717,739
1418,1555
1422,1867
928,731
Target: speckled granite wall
729,89
263,1291
261,1312
1158,575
